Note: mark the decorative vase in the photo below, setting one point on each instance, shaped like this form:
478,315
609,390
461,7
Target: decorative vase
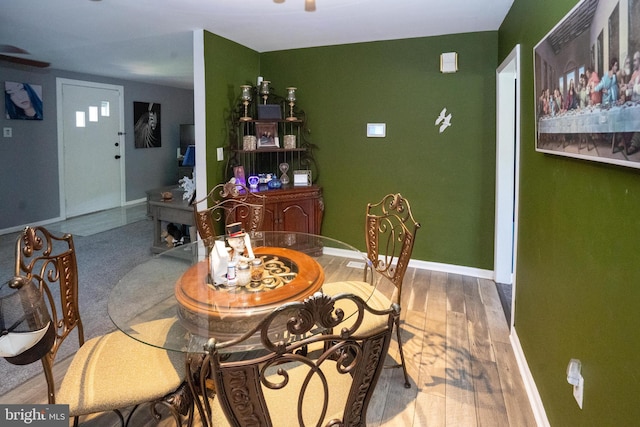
249,142
289,141
274,183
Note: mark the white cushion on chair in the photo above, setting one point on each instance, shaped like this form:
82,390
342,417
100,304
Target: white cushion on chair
116,371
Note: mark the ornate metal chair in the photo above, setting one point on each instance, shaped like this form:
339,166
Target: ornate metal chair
109,372
228,203
282,385
390,232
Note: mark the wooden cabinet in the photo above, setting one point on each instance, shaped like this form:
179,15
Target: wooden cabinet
294,209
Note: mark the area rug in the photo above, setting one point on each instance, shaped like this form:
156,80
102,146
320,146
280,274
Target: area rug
103,259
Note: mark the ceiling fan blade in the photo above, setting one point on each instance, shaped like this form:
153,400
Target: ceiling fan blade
24,61
7,48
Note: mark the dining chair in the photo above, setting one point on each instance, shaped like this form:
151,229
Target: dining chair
390,231
109,372
228,203
280,384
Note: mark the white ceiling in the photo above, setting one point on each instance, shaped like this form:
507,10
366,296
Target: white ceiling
151,40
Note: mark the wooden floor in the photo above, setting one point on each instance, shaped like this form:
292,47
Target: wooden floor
456,340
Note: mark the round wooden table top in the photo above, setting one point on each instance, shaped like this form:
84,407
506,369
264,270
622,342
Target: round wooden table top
171,289
289,276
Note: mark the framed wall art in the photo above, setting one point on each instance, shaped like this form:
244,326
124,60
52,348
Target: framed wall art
587,84
22,101
146,116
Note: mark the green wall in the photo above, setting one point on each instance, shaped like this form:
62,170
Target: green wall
577,278
227,66
448,177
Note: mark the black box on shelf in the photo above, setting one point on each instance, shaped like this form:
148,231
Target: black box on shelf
269,112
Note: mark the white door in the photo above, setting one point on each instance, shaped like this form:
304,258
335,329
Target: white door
507,170
90,146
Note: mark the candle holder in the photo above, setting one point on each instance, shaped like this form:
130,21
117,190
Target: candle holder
264,90
246,98
291,97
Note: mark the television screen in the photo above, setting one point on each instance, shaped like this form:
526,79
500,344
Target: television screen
187,137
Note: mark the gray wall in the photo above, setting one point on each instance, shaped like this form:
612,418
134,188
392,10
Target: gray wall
29,174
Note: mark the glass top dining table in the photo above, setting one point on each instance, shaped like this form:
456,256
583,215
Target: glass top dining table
180,299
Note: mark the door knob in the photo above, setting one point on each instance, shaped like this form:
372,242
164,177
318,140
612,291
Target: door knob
117,156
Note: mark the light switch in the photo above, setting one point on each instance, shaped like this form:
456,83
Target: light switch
7,132
220,154
376,130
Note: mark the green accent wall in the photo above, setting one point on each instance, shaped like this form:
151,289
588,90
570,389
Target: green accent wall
449,177
227,66
576,277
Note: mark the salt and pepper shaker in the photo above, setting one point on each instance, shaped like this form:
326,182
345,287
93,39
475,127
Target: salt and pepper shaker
257,268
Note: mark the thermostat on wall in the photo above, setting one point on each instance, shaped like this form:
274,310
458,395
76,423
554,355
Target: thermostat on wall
376,130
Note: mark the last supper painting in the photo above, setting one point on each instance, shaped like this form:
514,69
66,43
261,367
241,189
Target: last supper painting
587,83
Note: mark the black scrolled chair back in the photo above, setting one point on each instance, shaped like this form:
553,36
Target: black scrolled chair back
51,261
228,203
331,385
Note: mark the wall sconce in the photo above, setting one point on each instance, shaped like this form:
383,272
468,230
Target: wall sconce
449,62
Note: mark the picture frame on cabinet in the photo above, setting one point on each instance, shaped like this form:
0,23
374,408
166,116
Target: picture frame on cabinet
267,134
302,178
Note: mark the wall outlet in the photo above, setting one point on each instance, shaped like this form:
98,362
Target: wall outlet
7,132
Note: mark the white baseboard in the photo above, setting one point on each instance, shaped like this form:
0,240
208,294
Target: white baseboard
450,268
135,202
424,265
530,385
59,218
21,227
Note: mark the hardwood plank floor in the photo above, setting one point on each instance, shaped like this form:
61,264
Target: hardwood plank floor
456,343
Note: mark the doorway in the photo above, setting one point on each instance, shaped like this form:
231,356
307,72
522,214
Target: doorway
90,146
507,179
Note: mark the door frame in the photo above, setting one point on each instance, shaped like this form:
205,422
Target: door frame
60,82
508,83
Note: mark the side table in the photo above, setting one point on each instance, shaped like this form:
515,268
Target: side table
177,210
